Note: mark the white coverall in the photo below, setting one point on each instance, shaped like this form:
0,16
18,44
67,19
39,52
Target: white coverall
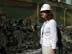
48,38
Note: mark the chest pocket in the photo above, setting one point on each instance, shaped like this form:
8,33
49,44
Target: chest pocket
47,30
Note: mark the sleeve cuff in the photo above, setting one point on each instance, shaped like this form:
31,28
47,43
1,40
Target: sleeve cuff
41,41
54,46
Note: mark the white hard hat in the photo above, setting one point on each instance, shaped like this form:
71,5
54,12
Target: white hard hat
45,7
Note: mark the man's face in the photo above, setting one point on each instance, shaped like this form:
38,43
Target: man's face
44,15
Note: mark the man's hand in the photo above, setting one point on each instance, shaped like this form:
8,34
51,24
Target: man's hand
53,51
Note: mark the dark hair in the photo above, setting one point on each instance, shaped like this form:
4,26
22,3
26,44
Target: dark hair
48,11
49,14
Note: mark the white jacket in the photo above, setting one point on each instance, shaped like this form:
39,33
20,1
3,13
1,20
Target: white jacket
49,34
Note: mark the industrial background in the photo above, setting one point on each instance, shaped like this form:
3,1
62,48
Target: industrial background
19,17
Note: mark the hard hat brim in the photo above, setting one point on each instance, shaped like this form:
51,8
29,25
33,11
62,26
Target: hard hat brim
46,10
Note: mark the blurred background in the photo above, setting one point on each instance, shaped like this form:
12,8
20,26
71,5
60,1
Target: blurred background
20,24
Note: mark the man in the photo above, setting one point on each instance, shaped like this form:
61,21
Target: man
48,38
